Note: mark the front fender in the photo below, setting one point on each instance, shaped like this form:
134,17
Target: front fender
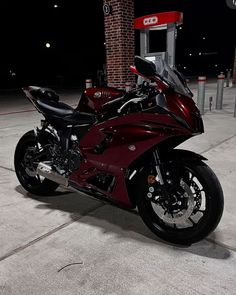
180,155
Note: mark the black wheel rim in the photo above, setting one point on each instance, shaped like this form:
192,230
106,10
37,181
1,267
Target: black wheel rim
191,219
29,156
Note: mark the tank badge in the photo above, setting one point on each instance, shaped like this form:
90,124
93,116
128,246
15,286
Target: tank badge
132,148
97,94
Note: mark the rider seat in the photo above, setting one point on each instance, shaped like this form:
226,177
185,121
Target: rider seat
64,112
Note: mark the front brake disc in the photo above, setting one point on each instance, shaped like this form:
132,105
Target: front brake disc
181,216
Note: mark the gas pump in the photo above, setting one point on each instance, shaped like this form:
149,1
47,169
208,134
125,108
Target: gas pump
160,21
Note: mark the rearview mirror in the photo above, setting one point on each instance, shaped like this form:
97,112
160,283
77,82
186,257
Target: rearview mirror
145,67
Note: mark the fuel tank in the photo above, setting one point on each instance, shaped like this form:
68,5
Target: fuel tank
93,99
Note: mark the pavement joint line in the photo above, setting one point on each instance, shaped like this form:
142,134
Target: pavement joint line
10,204
17,112
26,111
9,169
51,232
13,126
221,244
216,145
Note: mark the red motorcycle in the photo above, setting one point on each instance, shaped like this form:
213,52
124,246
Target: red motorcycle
121,147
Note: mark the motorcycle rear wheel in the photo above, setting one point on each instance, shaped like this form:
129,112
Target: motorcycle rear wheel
205,198
25,152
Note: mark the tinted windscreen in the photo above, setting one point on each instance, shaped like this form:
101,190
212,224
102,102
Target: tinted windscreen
165,71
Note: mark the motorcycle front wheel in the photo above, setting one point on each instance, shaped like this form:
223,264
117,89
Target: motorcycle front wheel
191,211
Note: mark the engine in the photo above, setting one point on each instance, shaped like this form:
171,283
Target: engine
65,161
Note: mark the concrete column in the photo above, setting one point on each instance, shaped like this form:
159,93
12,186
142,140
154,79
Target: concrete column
120,45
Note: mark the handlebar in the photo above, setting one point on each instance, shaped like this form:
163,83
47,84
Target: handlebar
114,101
134,96
133,100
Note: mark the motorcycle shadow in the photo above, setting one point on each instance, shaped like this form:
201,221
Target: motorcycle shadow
126,224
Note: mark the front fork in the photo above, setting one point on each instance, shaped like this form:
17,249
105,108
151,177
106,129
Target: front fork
157,184
159,177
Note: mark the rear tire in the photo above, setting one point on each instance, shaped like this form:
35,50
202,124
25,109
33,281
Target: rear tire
173,233
31,183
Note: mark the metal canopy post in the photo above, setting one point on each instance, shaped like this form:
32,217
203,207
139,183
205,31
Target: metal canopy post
171,43
144,42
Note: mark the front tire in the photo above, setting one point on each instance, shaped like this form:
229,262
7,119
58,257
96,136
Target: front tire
205,199
25,161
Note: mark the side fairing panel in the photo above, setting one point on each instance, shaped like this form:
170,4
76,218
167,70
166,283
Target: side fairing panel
131,136
185,108
142,130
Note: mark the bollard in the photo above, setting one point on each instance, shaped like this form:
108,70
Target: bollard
235,108
88,83
220,91
201,94
127,86
210,103
228,76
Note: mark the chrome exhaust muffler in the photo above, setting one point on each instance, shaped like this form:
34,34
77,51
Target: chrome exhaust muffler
46,171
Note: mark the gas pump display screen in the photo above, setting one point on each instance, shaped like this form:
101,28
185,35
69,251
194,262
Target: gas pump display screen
157,41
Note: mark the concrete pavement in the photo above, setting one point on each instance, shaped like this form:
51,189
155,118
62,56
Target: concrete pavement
71,244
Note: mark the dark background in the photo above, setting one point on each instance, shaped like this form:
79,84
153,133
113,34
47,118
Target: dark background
75,31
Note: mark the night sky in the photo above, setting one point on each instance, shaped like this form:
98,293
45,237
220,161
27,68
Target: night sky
75,31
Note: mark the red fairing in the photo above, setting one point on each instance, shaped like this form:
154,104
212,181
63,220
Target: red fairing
132,135
180,105
93,99
183,107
